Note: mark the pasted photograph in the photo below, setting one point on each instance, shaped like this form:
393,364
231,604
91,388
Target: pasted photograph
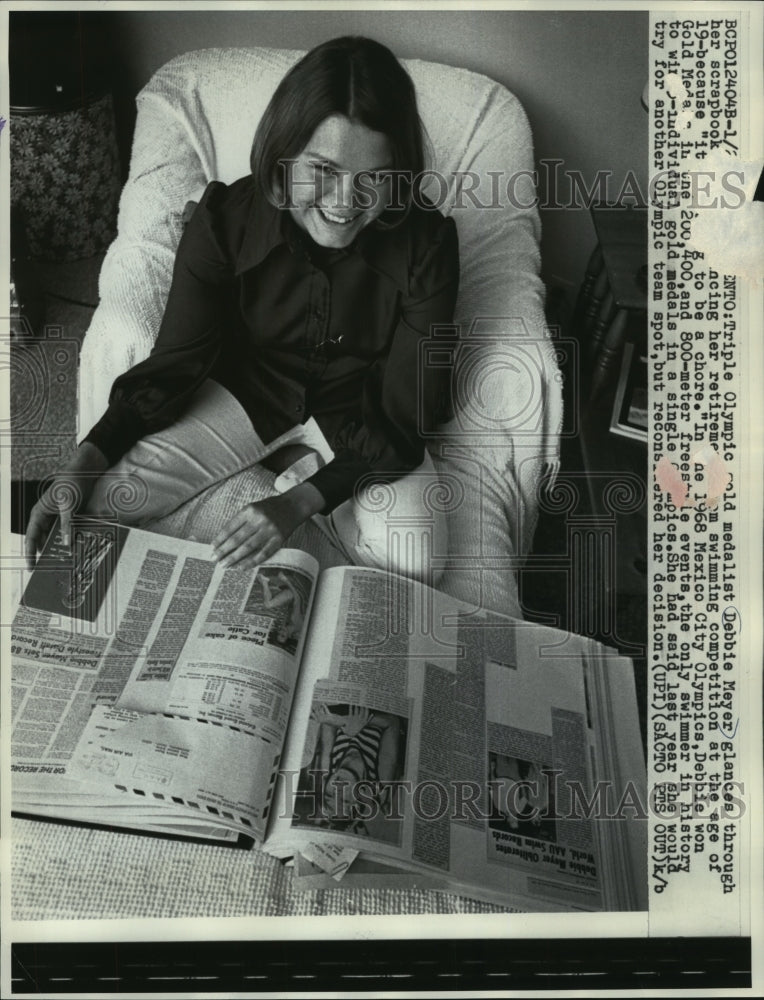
346,786
281,595
521,796
425,232
77,571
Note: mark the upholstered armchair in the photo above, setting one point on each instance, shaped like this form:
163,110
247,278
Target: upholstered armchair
196,119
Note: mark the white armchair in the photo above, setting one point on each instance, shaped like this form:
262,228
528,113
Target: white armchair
196,120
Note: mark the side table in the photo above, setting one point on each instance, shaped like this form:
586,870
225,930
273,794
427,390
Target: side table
610,324
613,297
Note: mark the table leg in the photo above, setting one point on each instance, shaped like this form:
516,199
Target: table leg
610,351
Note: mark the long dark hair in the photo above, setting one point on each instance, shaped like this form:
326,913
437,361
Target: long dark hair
351,76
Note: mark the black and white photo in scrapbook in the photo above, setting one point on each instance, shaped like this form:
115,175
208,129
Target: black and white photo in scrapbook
382,475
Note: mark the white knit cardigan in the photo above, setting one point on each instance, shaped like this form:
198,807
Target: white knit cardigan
196,119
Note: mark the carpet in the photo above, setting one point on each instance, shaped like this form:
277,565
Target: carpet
66,873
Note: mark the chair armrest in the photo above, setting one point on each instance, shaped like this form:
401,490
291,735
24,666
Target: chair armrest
165,172
507,383
507,386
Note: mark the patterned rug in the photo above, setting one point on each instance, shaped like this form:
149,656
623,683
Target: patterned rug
74,873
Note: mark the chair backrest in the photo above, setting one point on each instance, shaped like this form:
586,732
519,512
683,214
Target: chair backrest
475,126
196,120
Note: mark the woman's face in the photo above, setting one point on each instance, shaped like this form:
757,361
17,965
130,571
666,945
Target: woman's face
338,184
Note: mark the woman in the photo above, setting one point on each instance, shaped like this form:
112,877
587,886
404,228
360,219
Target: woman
358,750
281,597
303,289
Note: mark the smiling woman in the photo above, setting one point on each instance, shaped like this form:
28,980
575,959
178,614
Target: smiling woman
342,123
303,290
331,188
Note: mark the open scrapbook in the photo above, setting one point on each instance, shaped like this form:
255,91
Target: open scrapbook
349,719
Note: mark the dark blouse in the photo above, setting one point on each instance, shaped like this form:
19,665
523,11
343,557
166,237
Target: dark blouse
294,331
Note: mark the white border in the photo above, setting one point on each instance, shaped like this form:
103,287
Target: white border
411,927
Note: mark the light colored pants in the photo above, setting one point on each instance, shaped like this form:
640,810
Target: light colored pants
396,525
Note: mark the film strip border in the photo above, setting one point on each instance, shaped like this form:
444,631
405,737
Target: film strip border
215,968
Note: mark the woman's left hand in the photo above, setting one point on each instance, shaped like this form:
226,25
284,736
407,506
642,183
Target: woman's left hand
257,532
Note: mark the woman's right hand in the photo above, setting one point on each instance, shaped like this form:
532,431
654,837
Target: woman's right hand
68,493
